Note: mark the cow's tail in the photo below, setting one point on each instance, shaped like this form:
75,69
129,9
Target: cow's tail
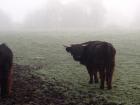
110,64
109,57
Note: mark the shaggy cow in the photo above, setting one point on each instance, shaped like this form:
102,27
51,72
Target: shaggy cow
6,61
97,56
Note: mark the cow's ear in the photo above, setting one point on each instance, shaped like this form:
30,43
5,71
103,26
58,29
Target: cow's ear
65,46
68,49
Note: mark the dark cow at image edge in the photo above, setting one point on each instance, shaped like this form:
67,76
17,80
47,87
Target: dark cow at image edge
6,62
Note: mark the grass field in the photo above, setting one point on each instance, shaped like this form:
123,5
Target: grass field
46,48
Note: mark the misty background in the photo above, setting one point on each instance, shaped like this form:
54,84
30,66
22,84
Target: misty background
69,14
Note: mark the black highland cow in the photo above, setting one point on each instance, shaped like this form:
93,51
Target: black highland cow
6,61
97,56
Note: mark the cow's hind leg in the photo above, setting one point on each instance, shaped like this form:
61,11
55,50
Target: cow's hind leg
95,76
102,77
90,72
109,75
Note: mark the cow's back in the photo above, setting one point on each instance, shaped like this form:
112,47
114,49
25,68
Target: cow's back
98,53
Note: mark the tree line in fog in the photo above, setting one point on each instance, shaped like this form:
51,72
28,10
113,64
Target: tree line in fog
61,15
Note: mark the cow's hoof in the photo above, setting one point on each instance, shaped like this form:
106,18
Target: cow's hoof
90,82
96,81
101,87
109,88
4,96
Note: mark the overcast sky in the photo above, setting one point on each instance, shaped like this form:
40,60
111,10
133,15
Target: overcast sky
17,10
117,12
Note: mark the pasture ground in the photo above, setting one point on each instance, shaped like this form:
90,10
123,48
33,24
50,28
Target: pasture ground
60,75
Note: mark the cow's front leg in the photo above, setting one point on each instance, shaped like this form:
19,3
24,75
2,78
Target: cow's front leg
6,81
102,77
90,75
91,78
10,82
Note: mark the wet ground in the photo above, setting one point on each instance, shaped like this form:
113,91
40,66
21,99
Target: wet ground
29,89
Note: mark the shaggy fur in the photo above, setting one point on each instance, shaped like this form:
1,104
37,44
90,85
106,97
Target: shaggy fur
6,61
97,56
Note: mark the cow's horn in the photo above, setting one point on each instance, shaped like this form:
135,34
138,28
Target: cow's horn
84,44
65,46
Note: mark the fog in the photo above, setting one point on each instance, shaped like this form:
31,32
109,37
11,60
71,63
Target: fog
69,14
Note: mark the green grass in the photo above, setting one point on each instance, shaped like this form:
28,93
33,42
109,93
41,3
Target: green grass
47,48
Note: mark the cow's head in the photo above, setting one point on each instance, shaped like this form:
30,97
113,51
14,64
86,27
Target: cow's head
76,51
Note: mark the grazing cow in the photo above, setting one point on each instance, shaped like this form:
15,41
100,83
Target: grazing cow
6,61
97,56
